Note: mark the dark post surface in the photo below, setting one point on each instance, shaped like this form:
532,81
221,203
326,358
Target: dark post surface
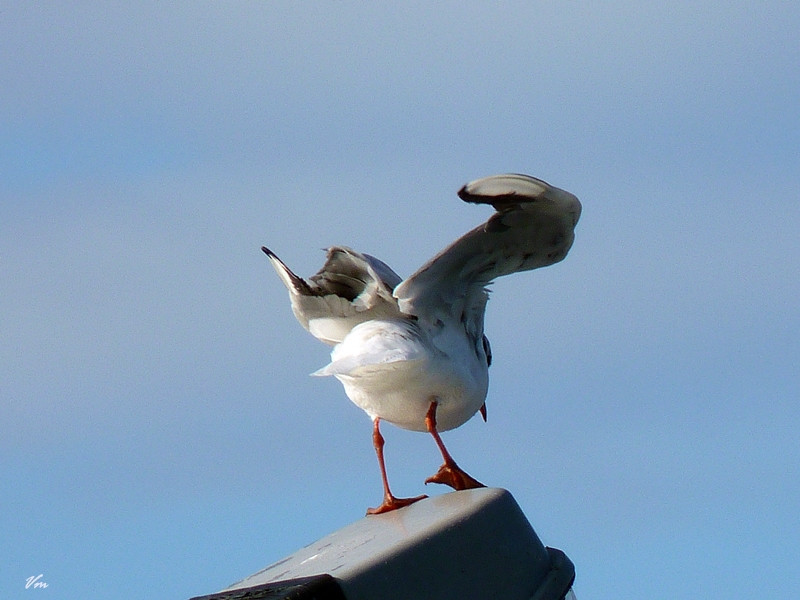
317,587
470,544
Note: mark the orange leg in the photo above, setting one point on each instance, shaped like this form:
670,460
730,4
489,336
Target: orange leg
449,473
389,501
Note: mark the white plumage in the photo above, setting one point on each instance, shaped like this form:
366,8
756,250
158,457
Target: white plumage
413,352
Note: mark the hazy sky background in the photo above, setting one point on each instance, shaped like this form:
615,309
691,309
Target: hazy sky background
160,436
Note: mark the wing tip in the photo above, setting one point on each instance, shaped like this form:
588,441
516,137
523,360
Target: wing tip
511,189
504,188
293,283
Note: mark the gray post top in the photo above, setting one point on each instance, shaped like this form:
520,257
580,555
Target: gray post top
469,544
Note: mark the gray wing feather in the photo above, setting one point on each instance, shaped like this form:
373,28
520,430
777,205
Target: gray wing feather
349,289
533,227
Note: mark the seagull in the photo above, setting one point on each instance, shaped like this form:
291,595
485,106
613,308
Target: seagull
413,352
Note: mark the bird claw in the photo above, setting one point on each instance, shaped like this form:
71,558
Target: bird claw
391,503
455,477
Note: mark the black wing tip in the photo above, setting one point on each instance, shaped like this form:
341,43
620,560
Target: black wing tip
504,194
292,281
499,201
468,196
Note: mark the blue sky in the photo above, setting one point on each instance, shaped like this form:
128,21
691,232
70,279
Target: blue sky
159,430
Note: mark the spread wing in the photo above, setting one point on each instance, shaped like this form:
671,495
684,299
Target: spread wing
533,227
349,289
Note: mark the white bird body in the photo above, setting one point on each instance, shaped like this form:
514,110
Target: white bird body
413,352
392,369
